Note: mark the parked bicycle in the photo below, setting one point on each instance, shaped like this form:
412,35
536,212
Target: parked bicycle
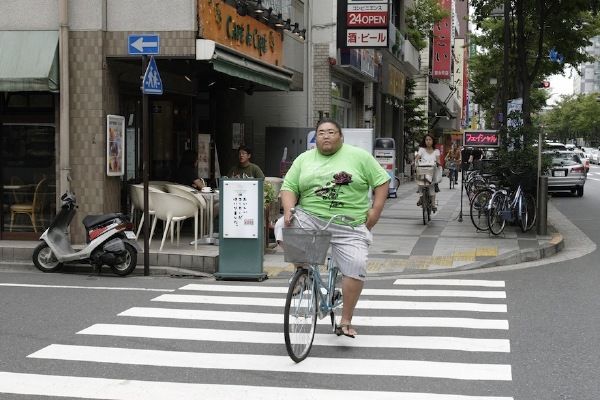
512,206
309,296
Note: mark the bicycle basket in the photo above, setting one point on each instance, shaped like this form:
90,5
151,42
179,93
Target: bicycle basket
422,171
305,246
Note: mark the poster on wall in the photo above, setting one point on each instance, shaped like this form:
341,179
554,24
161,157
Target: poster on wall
203,155
115,154
240,209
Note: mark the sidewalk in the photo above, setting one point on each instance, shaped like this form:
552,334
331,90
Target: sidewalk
402,244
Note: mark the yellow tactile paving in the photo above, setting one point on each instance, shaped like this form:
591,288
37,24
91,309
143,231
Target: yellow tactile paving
486,251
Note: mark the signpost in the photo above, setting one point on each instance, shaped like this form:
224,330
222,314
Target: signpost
363,23
146,45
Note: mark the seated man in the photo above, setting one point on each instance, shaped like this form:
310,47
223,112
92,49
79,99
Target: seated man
187,173
245,169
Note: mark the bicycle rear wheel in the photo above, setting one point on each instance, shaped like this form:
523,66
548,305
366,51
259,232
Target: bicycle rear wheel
479,209
522,212
531,211
300,315
496,221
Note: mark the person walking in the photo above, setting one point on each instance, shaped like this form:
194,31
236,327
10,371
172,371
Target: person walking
336,178
430,155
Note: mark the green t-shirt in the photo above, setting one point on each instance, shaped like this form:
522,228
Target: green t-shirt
249,171
335,184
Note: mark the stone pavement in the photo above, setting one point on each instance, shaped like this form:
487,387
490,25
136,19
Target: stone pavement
402,244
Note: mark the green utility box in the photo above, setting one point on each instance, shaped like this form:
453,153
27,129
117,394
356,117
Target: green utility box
241,233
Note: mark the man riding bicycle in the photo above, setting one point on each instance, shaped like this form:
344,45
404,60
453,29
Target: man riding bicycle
335,178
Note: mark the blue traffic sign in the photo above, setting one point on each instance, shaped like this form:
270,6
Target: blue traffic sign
152,83
143,44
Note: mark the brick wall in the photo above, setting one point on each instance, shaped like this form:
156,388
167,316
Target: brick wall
321,80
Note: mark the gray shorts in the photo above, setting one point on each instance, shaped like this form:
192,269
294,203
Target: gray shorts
349,245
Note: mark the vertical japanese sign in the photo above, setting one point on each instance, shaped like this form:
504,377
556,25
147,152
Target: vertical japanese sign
363,23
442,44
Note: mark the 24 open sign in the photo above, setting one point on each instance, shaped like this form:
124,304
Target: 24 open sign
481,138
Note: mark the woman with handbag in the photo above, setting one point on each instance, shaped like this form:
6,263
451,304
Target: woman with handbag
429,154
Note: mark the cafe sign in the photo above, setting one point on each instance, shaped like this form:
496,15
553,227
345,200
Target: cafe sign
481,138
221,23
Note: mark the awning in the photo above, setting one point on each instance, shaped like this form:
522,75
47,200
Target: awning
244,67
28,61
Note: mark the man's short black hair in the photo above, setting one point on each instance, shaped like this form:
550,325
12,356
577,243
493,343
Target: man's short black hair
246,149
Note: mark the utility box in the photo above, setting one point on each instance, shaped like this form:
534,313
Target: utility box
241,233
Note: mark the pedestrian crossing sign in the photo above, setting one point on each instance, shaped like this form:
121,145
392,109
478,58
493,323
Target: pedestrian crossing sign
152,84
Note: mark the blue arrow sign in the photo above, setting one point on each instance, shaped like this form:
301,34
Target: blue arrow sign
143,44
152,83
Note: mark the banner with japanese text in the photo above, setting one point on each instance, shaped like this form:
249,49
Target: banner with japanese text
441,65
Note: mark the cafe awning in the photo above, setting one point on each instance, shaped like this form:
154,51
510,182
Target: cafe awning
28,61
230,62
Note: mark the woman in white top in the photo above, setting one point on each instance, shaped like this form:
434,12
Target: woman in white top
429,154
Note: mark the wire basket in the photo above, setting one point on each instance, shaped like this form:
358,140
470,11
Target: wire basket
305,246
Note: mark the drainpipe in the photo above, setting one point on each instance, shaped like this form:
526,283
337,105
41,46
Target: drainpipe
64,139
308,68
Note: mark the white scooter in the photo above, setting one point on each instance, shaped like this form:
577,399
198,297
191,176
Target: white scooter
109,241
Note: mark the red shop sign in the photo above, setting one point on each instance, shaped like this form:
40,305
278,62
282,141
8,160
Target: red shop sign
481,138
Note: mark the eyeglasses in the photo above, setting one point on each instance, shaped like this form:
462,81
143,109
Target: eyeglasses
329,132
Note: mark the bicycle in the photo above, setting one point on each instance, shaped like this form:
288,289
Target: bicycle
424,170
308,296
452,173
512,207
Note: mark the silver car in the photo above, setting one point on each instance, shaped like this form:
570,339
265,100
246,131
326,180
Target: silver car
567,172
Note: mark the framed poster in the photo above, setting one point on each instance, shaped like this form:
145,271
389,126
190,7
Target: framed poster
115,154
240,209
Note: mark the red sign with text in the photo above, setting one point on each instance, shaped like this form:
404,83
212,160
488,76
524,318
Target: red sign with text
441,65
481,138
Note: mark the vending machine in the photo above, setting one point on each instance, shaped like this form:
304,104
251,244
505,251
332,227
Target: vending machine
384,152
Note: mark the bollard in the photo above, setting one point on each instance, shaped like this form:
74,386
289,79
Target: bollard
542,206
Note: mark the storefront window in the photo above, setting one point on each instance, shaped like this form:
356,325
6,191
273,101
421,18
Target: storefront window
341,105
27,167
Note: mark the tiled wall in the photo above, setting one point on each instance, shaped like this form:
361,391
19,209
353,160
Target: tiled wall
321,80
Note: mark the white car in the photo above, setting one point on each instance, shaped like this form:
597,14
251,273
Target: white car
594,156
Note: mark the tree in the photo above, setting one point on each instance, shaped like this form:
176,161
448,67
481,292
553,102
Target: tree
415,120
536,27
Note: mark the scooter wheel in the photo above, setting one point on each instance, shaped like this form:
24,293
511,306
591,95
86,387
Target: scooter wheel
44,259
126,267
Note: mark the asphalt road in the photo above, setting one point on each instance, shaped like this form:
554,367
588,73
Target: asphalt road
519,332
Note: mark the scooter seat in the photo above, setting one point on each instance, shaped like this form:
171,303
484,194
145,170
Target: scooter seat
93,220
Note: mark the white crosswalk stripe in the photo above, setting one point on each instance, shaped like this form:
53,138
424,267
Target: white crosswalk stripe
442,338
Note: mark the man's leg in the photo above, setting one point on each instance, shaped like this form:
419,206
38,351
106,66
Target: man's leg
351,288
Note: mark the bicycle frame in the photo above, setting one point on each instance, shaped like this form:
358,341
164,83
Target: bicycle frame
325,304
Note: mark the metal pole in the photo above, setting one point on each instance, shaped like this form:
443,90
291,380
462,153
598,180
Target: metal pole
505,75
145,173
542,215
462,188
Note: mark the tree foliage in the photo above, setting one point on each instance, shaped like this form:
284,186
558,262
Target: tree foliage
420,20
536,27
574,117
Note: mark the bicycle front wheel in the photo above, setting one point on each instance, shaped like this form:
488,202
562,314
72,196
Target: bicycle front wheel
300,315
496,221
425,204
479,209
